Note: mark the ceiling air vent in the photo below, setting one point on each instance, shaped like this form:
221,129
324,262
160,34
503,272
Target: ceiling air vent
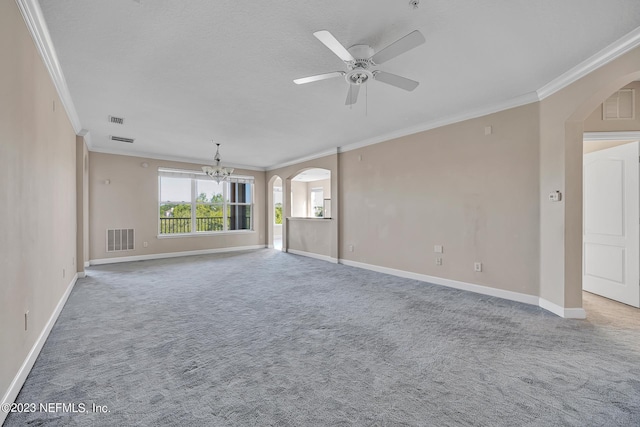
121,139
116,120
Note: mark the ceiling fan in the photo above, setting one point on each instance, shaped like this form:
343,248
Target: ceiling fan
359,59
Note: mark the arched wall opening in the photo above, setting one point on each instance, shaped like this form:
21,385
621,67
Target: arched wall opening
562,117
311,193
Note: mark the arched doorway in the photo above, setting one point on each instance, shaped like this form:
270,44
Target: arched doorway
562,117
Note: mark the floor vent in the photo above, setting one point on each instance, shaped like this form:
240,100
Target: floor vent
121,139
116,120
120,240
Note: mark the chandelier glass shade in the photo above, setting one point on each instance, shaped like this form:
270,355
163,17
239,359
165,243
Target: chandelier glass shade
217,172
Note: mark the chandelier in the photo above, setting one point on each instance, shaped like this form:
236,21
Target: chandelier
217,172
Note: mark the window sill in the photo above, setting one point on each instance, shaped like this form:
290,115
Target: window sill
203,234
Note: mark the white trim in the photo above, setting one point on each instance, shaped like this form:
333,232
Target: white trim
81,274
145,155
312,255
611,136
518,101
614,50
567,313
87,264
173,254
304,159
471,287
23,372
32,14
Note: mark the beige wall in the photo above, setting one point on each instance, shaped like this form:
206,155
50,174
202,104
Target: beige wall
130,200
591,146
82,205
594,122
476,195
310,235
38,194
299,199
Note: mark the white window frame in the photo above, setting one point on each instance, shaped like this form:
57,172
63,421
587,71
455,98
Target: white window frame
194,176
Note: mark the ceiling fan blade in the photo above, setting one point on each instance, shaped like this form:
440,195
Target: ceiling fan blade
352,95
395,80
318,77
408,42
334,45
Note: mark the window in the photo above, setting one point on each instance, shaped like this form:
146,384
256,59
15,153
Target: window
317,202
191,203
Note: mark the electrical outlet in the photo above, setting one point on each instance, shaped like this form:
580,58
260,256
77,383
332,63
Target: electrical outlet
438,249
438,261
26,320
145,244
350,248
477,266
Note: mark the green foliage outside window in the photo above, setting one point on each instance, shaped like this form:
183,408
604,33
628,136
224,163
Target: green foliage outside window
278,209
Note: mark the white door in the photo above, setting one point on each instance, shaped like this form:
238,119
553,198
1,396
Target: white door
611,240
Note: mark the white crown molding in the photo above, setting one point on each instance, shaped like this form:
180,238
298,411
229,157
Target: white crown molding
87,138
606,55
37,26
144,155
18,381
612,136
304,159
518,101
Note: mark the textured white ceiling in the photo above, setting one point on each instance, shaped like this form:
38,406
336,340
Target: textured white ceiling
183,72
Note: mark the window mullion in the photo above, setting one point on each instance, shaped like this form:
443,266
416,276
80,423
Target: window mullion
225,192
193,205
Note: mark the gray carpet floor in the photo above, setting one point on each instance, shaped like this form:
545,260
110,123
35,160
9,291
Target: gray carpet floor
266,338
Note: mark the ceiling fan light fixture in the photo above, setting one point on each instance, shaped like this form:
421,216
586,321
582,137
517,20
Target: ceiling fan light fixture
360,58
216,172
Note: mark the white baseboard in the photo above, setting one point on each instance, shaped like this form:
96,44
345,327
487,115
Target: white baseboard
269,246
173,254
23,372
312,255
82,275
87,264
479,289
567,313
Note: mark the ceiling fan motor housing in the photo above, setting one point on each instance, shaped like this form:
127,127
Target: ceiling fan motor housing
359,73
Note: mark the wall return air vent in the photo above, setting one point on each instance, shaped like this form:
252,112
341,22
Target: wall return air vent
121,139
120,240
